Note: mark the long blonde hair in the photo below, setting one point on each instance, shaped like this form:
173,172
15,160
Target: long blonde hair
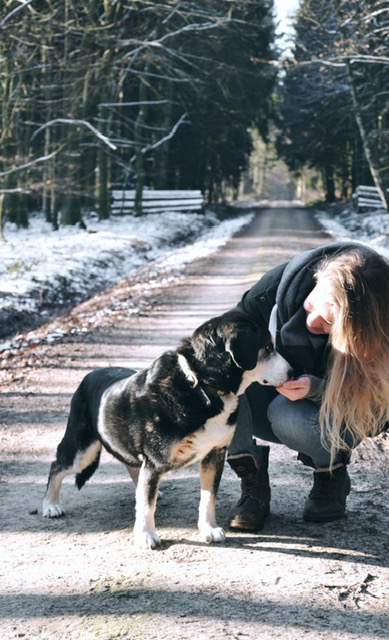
356,396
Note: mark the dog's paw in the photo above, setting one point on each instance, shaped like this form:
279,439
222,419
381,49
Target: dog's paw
50,510
213,534
146,539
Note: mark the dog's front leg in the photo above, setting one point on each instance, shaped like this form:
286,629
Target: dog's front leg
211,469
146,501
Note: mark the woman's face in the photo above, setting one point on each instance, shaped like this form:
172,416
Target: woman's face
320,313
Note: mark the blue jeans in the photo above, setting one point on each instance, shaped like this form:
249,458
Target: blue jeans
265,414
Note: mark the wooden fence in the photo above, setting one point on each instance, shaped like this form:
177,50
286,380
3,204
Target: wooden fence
366,198
154,201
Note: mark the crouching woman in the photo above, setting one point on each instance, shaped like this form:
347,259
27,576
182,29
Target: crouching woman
329,311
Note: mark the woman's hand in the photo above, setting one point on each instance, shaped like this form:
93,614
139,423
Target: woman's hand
295,389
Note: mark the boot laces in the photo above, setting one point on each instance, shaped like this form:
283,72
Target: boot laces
327,486
251,489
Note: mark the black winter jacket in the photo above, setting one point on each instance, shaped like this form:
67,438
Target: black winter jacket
287,286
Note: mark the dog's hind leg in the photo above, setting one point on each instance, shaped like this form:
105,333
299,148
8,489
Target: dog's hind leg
134,474
145,535
211,469
83,465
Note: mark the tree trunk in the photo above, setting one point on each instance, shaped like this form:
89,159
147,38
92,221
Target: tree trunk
2,239
329,183
139,143
70,196
103,194
365,142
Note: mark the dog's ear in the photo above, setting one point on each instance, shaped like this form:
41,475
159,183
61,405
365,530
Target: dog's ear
244,346
206,339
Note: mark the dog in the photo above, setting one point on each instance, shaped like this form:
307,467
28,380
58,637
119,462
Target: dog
179,411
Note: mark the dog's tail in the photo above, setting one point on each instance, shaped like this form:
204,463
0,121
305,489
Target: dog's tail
88,471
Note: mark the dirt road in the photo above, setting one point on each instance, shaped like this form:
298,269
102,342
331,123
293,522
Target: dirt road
80,578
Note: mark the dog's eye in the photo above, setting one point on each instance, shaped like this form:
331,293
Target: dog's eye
269,349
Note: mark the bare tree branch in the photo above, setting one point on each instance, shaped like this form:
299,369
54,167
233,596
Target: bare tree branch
24,3
167,137
83,123
27,165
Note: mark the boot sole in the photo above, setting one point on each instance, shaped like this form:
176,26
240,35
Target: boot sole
324,518
245,527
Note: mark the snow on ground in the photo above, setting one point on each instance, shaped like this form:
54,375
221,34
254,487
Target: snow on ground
40,267
39,264
344,223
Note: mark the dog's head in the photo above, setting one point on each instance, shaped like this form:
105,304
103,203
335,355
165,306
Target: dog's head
234,347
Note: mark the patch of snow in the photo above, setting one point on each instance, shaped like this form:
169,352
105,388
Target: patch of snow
39,266
370,228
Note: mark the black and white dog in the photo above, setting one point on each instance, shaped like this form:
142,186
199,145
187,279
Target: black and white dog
180,410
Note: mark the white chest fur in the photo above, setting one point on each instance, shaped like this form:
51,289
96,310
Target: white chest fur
215,433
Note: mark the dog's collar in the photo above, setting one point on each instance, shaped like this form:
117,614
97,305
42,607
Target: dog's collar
213,391
194,384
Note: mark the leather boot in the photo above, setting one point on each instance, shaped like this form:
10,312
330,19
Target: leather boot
327,500
253,507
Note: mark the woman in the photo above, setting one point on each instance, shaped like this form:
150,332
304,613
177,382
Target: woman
329,308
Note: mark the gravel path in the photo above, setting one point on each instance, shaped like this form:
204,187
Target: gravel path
80,578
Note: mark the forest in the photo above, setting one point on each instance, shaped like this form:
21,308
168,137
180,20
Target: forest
126,94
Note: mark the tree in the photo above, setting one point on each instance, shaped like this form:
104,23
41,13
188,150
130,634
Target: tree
236,88
15,58
315,108
102,92
364,28
335,90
